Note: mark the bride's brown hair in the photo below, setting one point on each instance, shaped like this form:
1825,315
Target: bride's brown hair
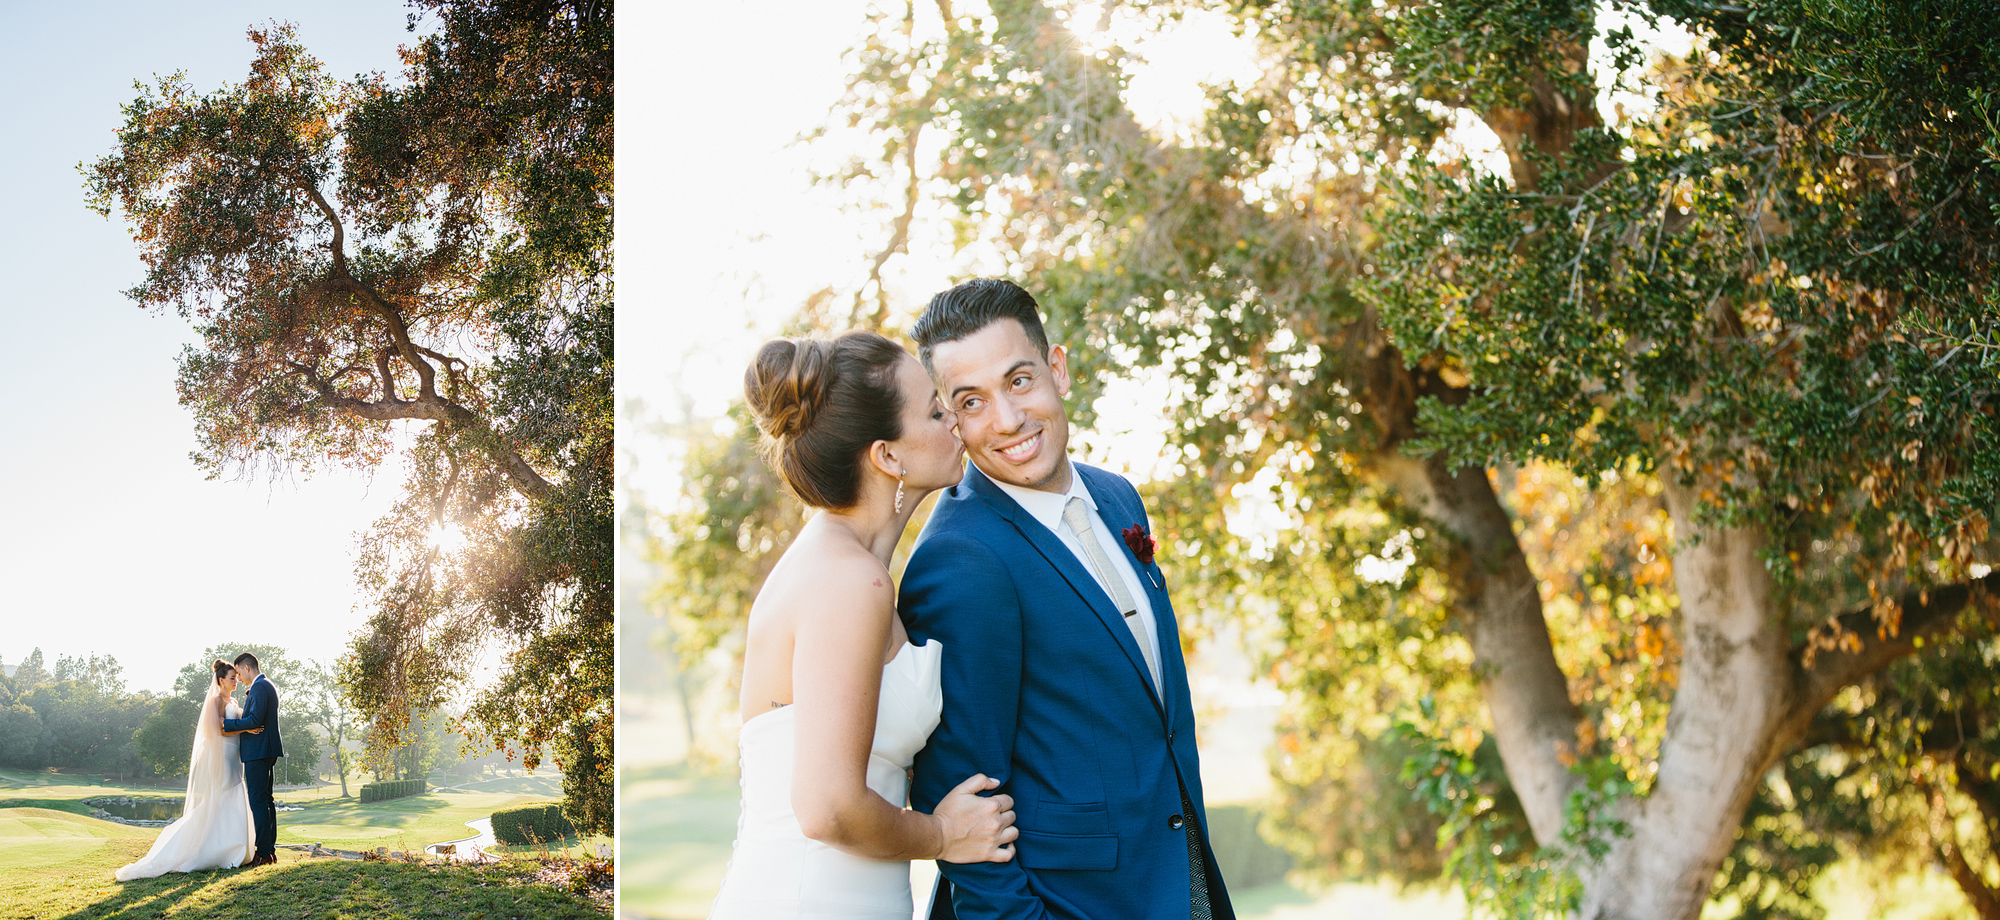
223,669
820,403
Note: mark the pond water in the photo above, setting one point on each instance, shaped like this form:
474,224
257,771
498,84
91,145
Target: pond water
144,811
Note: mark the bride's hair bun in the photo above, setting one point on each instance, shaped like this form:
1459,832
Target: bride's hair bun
223,669
820,403
787,384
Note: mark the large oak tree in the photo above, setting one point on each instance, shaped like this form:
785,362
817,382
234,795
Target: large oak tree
1681,424
419,268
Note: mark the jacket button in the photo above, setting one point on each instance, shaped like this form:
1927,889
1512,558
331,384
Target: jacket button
1176,822
1170,736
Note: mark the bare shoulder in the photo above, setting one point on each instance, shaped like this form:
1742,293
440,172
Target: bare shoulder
827,580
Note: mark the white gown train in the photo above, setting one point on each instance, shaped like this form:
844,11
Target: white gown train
214,830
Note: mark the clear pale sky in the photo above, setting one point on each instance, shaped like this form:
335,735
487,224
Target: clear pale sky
111,540
720,234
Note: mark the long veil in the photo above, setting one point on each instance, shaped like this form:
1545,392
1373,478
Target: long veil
214,829
208,772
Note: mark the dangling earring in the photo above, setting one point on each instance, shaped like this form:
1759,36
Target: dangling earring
899,495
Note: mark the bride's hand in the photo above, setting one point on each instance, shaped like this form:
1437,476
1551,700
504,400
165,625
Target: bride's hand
976,828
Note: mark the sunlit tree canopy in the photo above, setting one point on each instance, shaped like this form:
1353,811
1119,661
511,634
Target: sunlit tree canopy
415,268
1621,494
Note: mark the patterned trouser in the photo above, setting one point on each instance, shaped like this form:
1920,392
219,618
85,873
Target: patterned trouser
1198,905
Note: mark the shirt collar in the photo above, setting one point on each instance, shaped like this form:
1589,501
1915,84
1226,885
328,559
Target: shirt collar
1046,507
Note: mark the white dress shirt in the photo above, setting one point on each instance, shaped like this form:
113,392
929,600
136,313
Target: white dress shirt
1047,507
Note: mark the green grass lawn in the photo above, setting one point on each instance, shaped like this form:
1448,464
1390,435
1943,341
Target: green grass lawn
399,824
79,886
677,825
326,818
15,783
58,861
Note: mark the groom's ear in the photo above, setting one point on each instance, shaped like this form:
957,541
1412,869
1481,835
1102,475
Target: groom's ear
1059,368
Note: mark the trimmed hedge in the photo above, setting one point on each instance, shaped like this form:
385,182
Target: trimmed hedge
393,789
527,825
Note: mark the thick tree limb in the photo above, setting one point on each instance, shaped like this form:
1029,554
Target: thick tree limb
386,375
1726,727
342,280
1831,728
428,404
1548,122
1985,900
519,474
1949,846
1496,594
1925,614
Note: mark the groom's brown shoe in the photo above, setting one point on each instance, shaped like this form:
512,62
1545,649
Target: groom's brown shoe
267,859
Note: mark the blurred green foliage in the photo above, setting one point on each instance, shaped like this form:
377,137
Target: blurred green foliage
1763,276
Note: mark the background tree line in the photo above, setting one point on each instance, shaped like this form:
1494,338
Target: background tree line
1678,426
78,716
75,714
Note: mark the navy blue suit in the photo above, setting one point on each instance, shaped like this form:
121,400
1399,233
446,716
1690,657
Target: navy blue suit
260,753
1046,690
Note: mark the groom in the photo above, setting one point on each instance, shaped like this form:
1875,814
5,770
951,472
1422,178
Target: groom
1063,675
260,753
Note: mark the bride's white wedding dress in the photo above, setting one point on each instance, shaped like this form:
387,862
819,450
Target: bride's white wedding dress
214,830
776,872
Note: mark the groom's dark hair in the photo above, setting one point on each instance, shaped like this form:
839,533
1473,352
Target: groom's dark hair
972,306
249,659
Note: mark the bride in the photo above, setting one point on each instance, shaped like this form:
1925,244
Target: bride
214,829
830,681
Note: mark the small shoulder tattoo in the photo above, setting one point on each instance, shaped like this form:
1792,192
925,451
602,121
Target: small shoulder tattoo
777,705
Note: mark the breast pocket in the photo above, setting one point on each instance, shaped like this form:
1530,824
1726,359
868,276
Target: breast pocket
1063,835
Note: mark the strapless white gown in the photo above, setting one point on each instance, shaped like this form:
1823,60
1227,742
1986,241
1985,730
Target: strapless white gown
776,872
214,830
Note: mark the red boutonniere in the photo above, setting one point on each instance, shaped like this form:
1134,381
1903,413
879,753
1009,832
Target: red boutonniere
1141,543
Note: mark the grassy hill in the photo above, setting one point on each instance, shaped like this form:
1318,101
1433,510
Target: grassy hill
58,860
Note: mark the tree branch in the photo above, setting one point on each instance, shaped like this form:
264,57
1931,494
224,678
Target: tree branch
338,245
392,315
1925,614
1832,728
428,404
1513,656
387,375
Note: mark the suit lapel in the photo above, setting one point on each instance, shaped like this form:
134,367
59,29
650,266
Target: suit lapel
1119,515
1070,568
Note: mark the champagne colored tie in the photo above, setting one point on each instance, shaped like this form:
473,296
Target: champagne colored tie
1077,516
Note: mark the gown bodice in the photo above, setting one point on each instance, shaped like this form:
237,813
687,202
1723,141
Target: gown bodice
775,871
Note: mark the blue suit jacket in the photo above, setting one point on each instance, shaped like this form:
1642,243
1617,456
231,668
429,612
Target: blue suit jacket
260,707
1045,689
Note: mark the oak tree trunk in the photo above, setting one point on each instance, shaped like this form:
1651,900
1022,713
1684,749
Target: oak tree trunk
1733,716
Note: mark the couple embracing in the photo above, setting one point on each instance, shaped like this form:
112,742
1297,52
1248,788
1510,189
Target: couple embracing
1030,703
229,818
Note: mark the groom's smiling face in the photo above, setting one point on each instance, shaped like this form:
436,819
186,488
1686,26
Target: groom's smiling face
1009,402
